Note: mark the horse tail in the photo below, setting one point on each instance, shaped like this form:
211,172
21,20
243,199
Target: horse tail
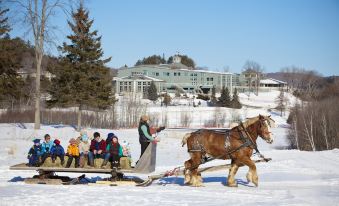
184,139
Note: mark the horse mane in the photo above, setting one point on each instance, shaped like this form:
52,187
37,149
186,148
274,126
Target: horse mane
250,121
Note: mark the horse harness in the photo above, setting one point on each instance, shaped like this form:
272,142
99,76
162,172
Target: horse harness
245,137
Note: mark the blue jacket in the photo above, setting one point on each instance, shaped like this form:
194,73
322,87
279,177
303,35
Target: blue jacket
34,151
46,147
57,150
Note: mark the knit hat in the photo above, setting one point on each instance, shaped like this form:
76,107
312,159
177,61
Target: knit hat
72,141
144,118
36,141
110,135
56,141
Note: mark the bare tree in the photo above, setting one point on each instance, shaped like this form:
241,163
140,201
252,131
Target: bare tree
185,118
308,129
303,82
254,73
296,131
324,129
37,14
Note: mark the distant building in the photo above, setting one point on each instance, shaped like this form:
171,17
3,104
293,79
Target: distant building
271,83
135,84
177,75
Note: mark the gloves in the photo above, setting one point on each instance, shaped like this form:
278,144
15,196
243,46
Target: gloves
160,129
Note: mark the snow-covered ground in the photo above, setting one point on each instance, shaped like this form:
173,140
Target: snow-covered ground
291,178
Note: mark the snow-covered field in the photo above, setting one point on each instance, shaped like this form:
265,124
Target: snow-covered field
291,178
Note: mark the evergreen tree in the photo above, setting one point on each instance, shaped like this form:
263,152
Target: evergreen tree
224,99
10,58
155,59
4,26
235,100
185,60
152,92
82,80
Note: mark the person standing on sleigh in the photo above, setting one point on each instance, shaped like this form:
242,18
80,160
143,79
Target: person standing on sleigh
145,134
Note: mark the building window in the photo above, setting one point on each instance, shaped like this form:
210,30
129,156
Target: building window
175,74
157,74
178,73
144,83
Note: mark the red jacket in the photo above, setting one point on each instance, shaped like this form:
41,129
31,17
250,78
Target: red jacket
101,145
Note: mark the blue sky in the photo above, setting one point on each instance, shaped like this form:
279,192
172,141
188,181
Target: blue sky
219,33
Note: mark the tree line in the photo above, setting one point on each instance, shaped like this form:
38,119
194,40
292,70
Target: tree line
79,76
157,59
313,120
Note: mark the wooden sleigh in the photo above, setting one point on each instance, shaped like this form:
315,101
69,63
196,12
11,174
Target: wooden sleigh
48,174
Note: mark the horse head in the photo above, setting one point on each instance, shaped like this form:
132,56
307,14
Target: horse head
264,131
262,125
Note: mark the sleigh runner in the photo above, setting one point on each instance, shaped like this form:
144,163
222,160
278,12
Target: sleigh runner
47,174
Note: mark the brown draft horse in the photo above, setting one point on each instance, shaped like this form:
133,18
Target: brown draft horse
234,145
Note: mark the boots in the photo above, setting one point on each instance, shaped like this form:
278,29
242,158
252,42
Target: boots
82,161
91,162
104,163
69,161
77,159
115,164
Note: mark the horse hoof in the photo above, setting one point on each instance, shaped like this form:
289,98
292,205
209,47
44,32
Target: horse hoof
232,185
187,183
197,185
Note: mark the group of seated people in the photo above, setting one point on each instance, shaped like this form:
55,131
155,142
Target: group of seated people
110,150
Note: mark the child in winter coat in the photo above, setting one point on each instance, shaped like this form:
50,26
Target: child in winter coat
57,151
72,152
113,153
97,148
46,147
126,150
34,154
83,148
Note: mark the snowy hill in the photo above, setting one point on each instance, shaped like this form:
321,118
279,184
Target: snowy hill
291,178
